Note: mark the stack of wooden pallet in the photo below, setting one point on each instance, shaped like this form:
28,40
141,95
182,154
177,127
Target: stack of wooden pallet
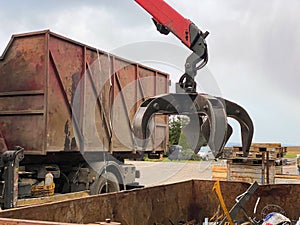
275,150
261,165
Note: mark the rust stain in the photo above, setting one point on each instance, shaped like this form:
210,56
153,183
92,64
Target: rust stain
178,202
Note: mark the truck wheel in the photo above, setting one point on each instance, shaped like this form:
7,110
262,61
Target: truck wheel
107,182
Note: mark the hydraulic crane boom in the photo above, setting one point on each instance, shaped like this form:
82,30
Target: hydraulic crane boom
208,114
168,20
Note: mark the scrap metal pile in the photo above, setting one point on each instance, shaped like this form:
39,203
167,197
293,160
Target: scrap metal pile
271,214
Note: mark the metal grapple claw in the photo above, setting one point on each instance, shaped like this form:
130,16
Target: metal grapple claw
208,119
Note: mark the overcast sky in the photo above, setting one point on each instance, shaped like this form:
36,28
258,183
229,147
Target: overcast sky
254,48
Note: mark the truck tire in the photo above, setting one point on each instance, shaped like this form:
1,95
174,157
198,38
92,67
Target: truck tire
107,182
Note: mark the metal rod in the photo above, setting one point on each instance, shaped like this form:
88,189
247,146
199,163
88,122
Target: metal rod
263,168
268,170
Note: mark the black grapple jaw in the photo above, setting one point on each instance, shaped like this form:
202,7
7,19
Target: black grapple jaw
238,113
208,120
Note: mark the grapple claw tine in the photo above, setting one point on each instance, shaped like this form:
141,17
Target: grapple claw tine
198,107
192,133
238,113
167,104
216,118
229,132
205,128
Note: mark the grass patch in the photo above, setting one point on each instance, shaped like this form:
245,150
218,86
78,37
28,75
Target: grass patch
291,155
165,159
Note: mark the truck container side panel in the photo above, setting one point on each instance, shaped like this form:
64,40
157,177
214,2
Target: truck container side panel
126,75
160,134
140,92
77,108
67,91
106,94
102,65
22,116
155,83
162,85
124,101
68,60
161,121
147,80
59,114
26,103
22,68
22,94
96,125
95,137
65,64
21,130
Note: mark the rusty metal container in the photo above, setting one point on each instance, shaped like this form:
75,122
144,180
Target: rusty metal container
185,201
57,95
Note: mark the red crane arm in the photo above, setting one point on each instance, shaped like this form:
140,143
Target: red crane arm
169,18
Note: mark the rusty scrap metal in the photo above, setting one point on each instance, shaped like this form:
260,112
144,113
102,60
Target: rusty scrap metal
192,222
218,215
269,208
241,201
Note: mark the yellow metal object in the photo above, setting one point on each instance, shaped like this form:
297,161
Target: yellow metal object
217,189
42,191
217,216
54,198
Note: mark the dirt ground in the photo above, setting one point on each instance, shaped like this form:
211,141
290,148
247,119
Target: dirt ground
156,173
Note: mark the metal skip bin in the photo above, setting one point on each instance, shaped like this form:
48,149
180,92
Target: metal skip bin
184,201
59,95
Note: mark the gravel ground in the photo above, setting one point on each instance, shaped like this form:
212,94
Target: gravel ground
156,173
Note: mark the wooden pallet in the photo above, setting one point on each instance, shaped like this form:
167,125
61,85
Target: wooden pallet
253,155
219,172
248,161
